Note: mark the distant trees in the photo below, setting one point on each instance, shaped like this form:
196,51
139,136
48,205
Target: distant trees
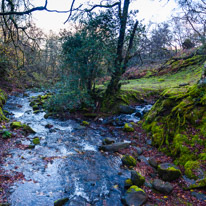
194,14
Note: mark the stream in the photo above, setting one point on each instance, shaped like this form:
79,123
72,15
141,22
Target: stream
66,163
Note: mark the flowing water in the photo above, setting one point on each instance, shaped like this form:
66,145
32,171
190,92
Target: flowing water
66,163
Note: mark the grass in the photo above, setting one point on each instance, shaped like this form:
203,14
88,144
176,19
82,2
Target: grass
160,83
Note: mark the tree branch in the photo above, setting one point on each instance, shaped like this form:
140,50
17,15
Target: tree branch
102,6
20,13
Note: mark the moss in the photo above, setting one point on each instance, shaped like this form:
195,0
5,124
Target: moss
134,188
85,123
16,125
129,160
128,128
137,178
202,156
168,172
28,129
128,183
190,168
198,184
36,141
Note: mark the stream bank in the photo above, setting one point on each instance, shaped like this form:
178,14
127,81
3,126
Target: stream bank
68,164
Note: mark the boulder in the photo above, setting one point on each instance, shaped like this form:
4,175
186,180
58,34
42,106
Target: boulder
135,196
137,178
168,171
16,125
128,160
126,109
115,147
163,187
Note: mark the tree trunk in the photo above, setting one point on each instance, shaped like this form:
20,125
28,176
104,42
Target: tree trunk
114,85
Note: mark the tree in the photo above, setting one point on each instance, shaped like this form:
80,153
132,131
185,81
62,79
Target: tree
194,13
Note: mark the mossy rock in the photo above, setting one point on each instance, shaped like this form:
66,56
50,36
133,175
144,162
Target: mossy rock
36,141
85,123
129,161
16,125
28,129
128,128
128,183
134,196
198,184
168,172
193,169
61,202
135,188
137,178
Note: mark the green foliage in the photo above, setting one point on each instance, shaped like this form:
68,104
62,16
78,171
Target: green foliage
89,52
6,134
68,96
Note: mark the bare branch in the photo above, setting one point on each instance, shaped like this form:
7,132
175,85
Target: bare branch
102,6
29,11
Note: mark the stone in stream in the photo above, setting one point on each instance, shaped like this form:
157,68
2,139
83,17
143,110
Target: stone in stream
168,171
108,140
134,196
128,183
161,186
128,160
61,202
126,109
115,147
137,178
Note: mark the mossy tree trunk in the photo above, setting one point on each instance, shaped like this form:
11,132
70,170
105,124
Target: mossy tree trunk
121,61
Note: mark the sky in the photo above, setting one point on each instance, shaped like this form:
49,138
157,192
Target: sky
149,10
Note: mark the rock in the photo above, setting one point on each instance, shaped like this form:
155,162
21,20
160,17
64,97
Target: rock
138,114
168,172
137,178
163,187
19,125
149,142
28,129
48,126
16,125
152,161
36,141
108,140
128,183
31,146
61,202
135,196
194,169
201,183
129,161
85,123
115,147
126,109
142,158
139,150
128,128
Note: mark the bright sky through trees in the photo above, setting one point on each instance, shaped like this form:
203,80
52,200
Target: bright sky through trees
149,10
